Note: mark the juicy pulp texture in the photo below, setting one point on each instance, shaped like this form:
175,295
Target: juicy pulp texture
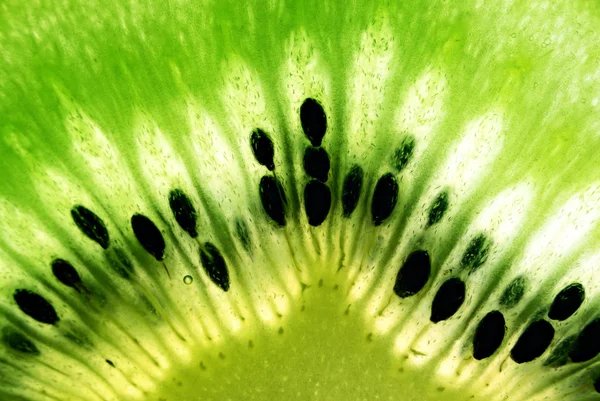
149,233
323,353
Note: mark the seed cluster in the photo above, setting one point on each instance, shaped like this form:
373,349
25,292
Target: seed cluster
413,276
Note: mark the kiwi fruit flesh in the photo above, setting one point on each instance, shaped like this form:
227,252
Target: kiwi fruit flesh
213,200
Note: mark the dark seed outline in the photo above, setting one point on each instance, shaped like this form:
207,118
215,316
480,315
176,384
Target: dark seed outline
560,354
567,302
149,236
513,293
313,120
587,346
262,148
404,153
36,306
66,273
273,199
414,274
448,299
19,342
215,266
533,342
91,225
476,253
184,211
385,197
484,345
438,208
316,163
351,190
317,202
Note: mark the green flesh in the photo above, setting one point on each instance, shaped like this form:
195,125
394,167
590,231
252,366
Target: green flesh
321,354
112,106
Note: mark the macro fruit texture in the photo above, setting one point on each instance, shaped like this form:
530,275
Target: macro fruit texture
210,200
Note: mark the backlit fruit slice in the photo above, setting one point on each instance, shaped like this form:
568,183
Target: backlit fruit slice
303,200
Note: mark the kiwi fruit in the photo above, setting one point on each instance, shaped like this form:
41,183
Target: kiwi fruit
302,200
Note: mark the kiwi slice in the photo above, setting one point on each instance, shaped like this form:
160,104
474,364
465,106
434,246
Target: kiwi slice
300,200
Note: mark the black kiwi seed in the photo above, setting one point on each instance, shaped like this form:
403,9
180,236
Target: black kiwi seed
316,163
597,385
35,306
351,190
413,274
19,342
183,211
403,154
90,225
438,208
313,120
215,265
587,345
148,235
489,335
476,253
66,273
273,198
533,342
448,299
385,197
567,302
513,293
262,147
317,202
